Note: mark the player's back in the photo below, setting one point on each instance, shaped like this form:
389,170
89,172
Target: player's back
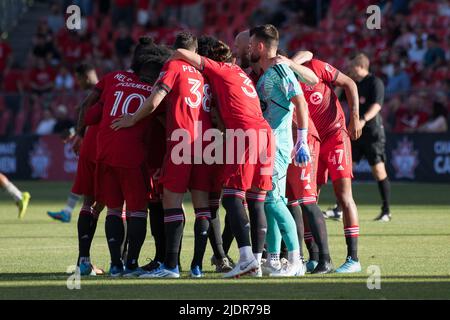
126,147
188,98
323,104
237,98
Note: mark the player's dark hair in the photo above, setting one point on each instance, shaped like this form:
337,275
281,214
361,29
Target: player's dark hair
266,33
214,49
83,68
147,46
185,40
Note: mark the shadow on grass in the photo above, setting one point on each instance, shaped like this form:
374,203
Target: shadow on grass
230,289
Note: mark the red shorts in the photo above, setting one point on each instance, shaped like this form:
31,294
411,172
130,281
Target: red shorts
335,158
84,183
182,177
244,174
114,186
301,181
155,188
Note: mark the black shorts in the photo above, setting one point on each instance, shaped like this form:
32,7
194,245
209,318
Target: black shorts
371,145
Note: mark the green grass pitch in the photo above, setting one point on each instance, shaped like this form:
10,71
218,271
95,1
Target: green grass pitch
412,252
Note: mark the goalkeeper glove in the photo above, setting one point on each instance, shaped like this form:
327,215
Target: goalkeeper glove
301,152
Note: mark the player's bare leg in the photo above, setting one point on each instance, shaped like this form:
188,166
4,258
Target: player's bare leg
384,187
20,198
343,191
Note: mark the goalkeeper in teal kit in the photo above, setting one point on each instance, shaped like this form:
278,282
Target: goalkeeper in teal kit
280,95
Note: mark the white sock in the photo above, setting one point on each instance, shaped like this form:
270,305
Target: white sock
13,191
71,203
245,253
294,256
258,257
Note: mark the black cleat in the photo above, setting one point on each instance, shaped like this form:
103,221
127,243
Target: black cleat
323,267
151,266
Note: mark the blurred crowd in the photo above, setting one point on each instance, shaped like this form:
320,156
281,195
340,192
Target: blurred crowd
410,52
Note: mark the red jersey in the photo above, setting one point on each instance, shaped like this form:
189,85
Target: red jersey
126,147
324,107
89,145
188,99
237,99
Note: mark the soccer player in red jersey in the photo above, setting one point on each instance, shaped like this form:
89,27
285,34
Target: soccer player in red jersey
87,148
121,173
239,108
188,116
335,148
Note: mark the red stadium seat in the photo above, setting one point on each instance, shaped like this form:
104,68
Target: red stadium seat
5,119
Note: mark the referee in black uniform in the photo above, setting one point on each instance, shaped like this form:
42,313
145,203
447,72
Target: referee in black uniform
372,143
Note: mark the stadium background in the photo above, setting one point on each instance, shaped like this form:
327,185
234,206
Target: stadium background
38,54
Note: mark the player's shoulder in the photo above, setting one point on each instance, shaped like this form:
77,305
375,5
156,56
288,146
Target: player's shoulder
374,80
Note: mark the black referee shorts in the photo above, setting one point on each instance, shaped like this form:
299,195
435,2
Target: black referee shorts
372,146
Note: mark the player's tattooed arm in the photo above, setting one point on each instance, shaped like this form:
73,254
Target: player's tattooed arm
351,93
190,57
150,104
305,74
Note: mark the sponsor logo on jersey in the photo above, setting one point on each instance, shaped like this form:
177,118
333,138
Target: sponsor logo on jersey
316,98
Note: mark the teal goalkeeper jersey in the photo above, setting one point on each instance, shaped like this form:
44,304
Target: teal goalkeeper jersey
275,89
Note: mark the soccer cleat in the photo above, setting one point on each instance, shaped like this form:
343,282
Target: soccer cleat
349,266
384,217
231,261
270,266
60,216
86,269
22,205
151,266
196,272
222,265
290,270
162,272
243,268
311,265
133,273
115,271
323,267
333,213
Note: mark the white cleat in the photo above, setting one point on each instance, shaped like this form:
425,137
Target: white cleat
243,268
290,270
256,273
270,266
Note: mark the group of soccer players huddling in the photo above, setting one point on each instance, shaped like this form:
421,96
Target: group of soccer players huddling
250,129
